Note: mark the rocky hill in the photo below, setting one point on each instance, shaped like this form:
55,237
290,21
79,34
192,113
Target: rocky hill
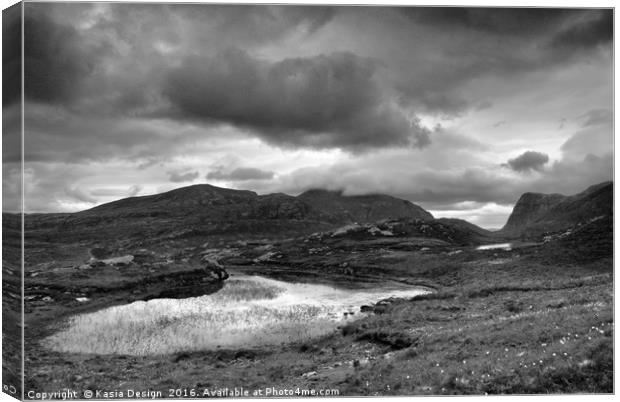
228,204
537,214
204,210
333,206
210,202
529,208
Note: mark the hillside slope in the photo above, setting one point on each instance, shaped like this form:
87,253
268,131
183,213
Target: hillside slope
464,225
536,214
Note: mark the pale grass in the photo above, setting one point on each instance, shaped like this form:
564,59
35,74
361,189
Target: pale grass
248,312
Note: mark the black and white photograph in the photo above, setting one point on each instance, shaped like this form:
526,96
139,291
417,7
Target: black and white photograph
206,200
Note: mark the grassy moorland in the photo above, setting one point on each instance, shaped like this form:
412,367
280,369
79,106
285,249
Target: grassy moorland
518,321
496,332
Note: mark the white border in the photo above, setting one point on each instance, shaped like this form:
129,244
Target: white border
479,3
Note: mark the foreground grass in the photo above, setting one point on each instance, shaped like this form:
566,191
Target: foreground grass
536,344
499,324
495,332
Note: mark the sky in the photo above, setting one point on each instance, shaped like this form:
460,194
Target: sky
459,110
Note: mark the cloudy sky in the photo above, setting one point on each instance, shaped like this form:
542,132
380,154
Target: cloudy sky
459,110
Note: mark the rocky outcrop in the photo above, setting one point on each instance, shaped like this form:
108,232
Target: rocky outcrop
535,215
434,232
280,206
529,208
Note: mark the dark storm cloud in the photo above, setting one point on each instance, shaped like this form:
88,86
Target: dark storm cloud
241,174
56,58
11,133
528,161
320,102
256,23
333,100
498,42
177,177
488,20
116,65
11,54
596,29
568,28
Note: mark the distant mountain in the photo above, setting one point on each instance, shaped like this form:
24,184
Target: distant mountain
228,204
205,210
535,214
209,202
332,206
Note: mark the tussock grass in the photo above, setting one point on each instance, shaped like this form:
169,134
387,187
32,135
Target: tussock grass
238,290
245,313
167,326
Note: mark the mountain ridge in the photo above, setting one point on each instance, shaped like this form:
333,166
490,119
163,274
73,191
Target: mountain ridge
204,210
331,206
